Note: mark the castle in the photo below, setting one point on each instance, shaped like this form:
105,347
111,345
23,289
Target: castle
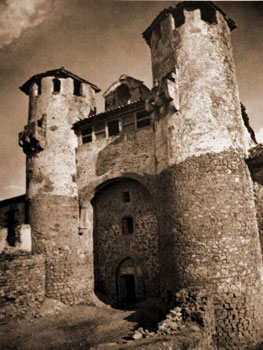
160,192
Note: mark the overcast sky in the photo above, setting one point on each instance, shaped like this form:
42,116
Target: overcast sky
98,40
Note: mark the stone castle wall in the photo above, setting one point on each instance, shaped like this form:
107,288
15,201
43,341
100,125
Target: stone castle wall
22,284
211,240
208,215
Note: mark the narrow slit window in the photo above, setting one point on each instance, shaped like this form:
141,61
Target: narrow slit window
126,196
56,85
127,225
143,119
77,88
113,127
87,135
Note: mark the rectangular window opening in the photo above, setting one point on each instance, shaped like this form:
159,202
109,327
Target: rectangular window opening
87,135
77,88
100,130
113,127
127,225
143,119
56,85
126,196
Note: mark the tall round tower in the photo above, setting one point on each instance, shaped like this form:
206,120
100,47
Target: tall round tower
57,99
209,232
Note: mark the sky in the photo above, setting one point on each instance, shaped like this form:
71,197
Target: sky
99,40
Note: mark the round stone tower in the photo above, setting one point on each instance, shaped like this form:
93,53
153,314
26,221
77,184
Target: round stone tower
209,230
57,99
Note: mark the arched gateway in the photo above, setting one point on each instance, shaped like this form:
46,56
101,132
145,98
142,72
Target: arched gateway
126,259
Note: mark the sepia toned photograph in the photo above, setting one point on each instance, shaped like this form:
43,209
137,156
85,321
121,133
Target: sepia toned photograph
131,175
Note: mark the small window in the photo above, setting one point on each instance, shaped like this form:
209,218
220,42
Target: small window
100,130
77,88
127,225
143,119
113,127
87,135
126,196
56,85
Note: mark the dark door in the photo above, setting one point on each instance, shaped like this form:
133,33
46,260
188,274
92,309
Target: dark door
127,288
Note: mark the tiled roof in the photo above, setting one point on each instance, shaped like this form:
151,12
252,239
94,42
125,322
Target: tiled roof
115,111
60,73
177,12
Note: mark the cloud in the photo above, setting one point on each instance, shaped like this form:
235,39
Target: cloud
16,16
259,135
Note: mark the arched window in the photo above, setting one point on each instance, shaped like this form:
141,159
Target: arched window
122,95
127,225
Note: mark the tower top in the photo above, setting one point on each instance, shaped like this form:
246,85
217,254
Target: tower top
208,14
58,73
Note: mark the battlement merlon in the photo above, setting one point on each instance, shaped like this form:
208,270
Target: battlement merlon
208,14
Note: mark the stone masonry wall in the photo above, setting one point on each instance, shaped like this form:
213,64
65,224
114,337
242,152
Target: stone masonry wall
22,284
132,152
69,271
112,246
257,176
207,242
207,210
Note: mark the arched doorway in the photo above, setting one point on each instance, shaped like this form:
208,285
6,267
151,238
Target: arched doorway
129,282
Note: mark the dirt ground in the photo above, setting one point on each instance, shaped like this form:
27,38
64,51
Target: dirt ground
74,328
